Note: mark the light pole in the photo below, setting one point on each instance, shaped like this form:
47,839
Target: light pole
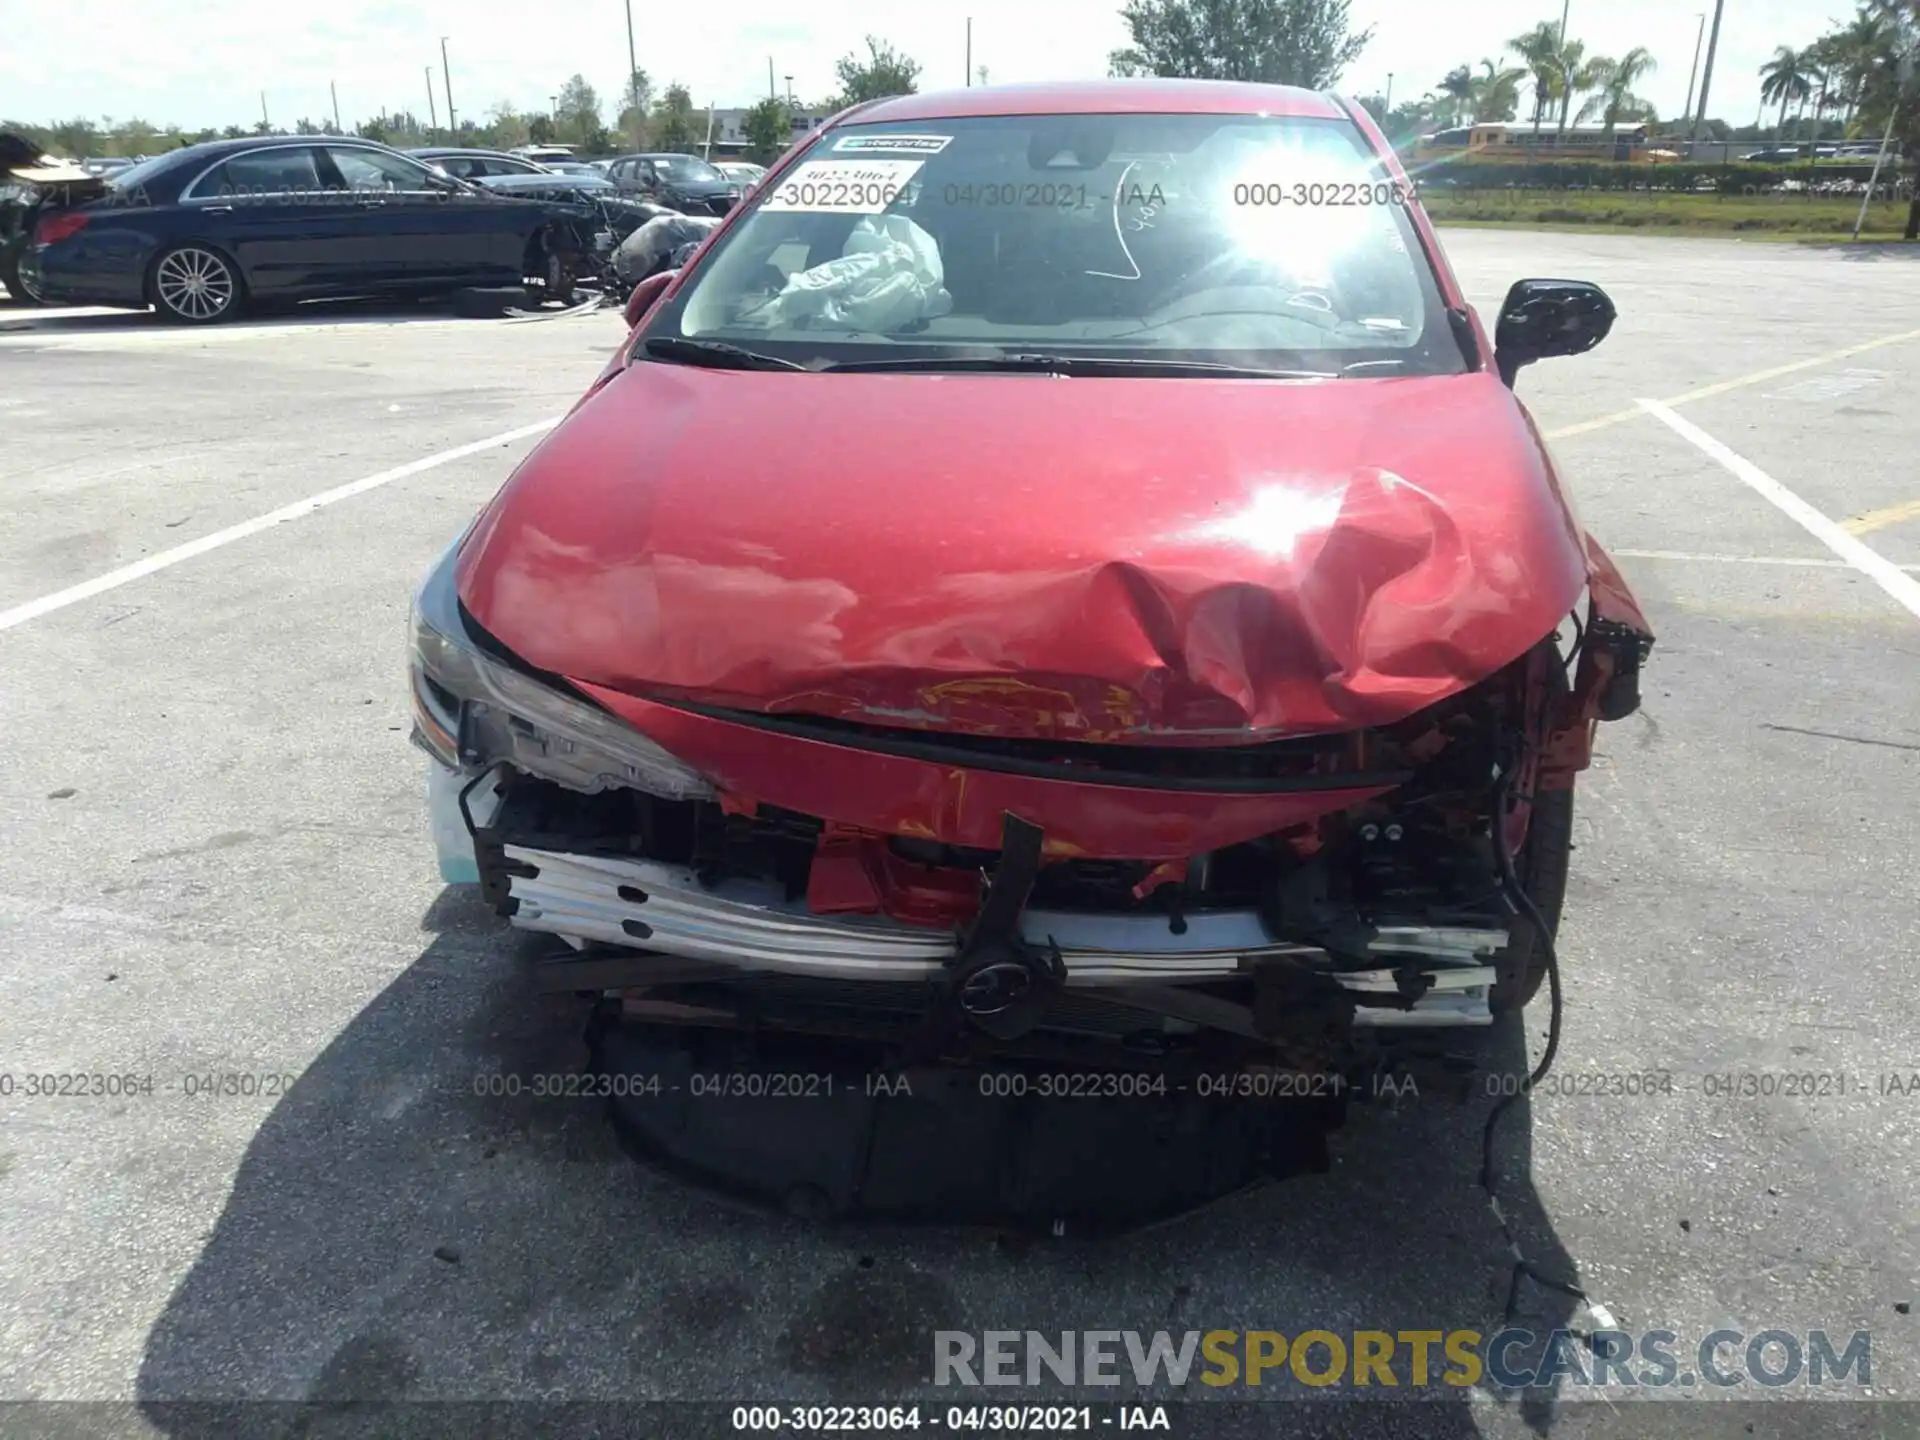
1693,71
633,69
969,51
446,76
263,111
789,92
1387,105
334,90
1706,78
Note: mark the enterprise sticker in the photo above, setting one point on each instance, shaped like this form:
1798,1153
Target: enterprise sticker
844,187
911,144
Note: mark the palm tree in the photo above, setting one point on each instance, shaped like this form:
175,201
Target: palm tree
1577,75
1456,92
1857,48
1495,95
1615,80
1538,50
1826,58
1784,78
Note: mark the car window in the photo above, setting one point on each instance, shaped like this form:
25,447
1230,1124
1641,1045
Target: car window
262,172
138,173
686,167
1270,242
372,170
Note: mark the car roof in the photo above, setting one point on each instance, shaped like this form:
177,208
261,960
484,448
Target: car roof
209,151
469,150
1097,97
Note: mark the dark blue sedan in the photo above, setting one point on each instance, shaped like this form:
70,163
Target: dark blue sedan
199,232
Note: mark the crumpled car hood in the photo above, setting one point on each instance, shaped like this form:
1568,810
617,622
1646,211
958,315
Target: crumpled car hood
1121,560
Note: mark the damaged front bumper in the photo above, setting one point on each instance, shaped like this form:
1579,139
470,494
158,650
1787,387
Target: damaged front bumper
518,758
751,926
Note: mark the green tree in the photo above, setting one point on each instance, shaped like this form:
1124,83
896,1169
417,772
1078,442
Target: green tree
769,127
1784,78
1456,94
1539,51
76,139
540,130
1494,94
884,72
1576,76
576,113
1616,78
636,101
1275,42
506,127
672,125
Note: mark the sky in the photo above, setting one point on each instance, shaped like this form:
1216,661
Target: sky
198,63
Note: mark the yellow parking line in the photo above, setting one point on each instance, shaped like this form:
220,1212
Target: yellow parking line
1756,378
1879,519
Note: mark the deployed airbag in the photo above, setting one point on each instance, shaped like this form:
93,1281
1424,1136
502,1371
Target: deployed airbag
888,274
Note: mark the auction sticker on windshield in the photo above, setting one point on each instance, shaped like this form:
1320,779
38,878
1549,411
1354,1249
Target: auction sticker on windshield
844,187
898,144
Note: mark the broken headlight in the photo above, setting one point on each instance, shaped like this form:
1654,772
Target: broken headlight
471,709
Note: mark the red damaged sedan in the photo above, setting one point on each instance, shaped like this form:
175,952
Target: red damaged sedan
1061,575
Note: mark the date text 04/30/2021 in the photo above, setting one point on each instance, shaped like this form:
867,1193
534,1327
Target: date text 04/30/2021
906,1419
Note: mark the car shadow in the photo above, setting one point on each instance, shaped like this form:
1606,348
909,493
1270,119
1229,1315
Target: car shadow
395,1234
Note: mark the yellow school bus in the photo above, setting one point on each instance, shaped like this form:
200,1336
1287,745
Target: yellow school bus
1507,141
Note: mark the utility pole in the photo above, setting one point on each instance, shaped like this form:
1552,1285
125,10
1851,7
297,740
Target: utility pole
633,70
1706,78
1902,78
334,90
969,51
1387,104
446,76
433,114
263,111
1693,72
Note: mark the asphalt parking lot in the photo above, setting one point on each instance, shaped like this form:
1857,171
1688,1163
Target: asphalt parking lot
218,863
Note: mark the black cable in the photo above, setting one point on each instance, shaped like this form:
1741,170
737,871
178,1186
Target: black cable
1521,903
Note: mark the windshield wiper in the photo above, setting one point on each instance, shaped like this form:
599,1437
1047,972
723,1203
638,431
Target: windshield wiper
715,353
1076,365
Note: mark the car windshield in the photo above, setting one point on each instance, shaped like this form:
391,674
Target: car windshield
685,167
1250,241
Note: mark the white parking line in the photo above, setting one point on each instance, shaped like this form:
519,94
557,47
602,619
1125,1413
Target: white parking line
126,574
1875,566
1696,557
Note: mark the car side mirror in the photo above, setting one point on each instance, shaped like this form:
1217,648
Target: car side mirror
1544,318
645,293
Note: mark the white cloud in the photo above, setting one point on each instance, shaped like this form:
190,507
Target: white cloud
205,62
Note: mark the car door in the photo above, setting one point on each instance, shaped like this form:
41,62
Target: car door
271,212
438,236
